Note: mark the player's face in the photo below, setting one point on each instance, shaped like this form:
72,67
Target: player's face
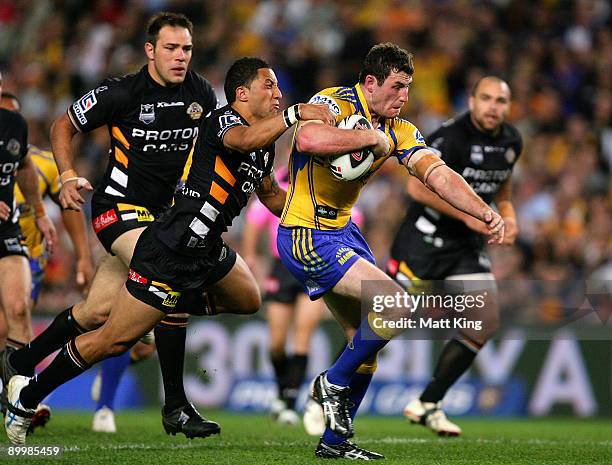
388,99
490,104
264,94
9,104
170,57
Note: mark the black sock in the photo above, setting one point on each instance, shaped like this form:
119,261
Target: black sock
170,336
17,345
67,364
281,370
61,330
455,359
295,377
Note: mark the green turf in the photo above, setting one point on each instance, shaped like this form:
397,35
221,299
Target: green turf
254,439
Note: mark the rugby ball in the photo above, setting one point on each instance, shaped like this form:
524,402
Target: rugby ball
352,166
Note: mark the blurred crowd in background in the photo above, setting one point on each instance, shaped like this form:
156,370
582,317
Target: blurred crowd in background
556,55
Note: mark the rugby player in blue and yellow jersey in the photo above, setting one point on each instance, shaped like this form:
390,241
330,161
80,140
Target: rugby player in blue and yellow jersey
326,252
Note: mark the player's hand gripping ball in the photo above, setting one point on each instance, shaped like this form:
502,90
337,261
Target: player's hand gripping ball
352,166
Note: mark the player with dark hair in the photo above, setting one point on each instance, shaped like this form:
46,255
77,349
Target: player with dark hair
438,242
326,252
153,118
182,253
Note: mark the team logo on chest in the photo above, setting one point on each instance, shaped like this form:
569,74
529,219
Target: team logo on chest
476,154
147,113
195,110
13,147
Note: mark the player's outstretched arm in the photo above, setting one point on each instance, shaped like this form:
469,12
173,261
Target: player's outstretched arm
423,195
62,133
451,187
272,195
328,141
264,132
28,183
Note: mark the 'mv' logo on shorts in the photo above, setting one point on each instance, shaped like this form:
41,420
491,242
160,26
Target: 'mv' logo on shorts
163,291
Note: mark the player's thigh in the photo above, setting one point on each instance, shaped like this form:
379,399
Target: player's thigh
237,291
123,247
305,321
15,283
129,320
363,281
279,317
108,280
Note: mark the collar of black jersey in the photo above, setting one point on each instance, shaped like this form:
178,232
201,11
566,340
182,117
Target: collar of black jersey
157,85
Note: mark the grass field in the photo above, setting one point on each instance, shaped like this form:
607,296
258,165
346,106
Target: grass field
254,440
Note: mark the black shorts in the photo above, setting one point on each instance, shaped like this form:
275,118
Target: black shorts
12,242
111,218
171,282
281,286
417,256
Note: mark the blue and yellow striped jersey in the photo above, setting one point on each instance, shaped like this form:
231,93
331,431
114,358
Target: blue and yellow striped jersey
315,198
48,184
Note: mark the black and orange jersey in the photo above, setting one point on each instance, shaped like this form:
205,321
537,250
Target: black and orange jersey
152,129
13,148
217,188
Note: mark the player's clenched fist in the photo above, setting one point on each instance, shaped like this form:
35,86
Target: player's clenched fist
495,226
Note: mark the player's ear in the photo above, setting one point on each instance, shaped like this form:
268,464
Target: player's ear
370,82
149,50
242,94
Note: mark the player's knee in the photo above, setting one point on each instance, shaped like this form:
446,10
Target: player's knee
117,348
19,310
94,319
368,367
251,303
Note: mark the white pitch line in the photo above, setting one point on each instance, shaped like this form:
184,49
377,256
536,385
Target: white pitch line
385,440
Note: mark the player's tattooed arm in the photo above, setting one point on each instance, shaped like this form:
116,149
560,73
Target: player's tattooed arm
271,194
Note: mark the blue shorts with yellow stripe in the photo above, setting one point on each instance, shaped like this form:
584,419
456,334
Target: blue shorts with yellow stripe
319,258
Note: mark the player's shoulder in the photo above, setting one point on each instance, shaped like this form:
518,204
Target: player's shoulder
12,118
197,82
511,133
405,129
338,99
42,158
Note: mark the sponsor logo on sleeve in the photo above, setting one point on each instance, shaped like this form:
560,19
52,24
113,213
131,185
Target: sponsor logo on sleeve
83,105
326,100
418,136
